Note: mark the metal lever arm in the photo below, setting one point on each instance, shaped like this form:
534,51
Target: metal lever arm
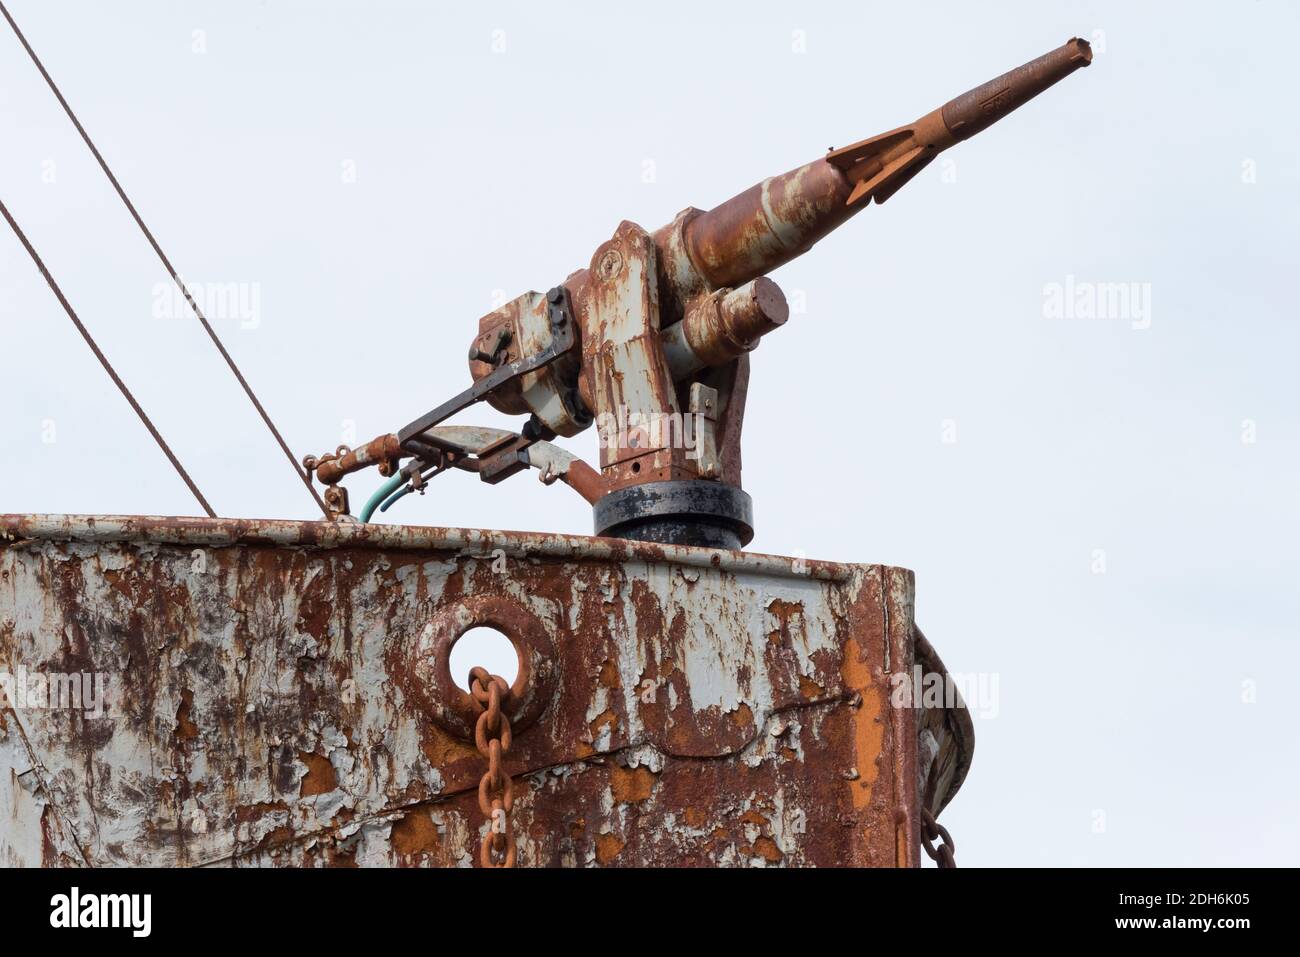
475,449
563,338
415,439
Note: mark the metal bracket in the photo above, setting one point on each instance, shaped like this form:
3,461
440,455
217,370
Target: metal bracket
564,338
704,405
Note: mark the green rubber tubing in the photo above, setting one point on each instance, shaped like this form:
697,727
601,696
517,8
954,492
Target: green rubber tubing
388,502
383,492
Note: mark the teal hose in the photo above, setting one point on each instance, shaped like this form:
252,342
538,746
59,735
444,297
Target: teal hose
388,502
382,493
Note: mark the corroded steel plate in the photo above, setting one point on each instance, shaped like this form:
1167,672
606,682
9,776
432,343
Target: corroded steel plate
277,694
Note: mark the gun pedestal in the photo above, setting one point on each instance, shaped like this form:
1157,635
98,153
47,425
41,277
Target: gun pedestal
685,512
650,341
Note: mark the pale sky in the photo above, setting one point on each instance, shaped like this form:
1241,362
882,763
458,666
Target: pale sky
1101,513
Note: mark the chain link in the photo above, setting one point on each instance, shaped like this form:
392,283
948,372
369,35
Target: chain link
496,799
496,793
932,831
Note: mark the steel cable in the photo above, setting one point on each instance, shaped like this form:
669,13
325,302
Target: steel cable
168,266
103,360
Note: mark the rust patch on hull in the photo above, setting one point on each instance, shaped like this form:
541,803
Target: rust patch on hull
267,705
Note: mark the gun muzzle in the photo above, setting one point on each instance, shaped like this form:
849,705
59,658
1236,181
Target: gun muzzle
723,326
782,217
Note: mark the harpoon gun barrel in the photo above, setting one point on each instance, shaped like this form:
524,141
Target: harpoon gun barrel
782,217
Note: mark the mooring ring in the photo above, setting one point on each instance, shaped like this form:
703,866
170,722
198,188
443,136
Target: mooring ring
452,707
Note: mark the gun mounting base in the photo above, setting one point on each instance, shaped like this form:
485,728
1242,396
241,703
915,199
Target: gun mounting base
682,512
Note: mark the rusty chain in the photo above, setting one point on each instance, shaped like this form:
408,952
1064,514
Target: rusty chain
496,789
931,831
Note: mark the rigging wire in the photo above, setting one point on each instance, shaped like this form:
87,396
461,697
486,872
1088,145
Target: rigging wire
207,327
103,360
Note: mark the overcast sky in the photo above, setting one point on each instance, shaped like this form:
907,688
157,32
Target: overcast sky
1101,512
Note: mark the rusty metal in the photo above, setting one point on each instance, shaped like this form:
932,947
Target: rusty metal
947,737
661,315
531,325
336,501
496,789
552,343
625,375
784,216
723,326
551,461
931,831
494,453
285,689
278,696
880,166
330,468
